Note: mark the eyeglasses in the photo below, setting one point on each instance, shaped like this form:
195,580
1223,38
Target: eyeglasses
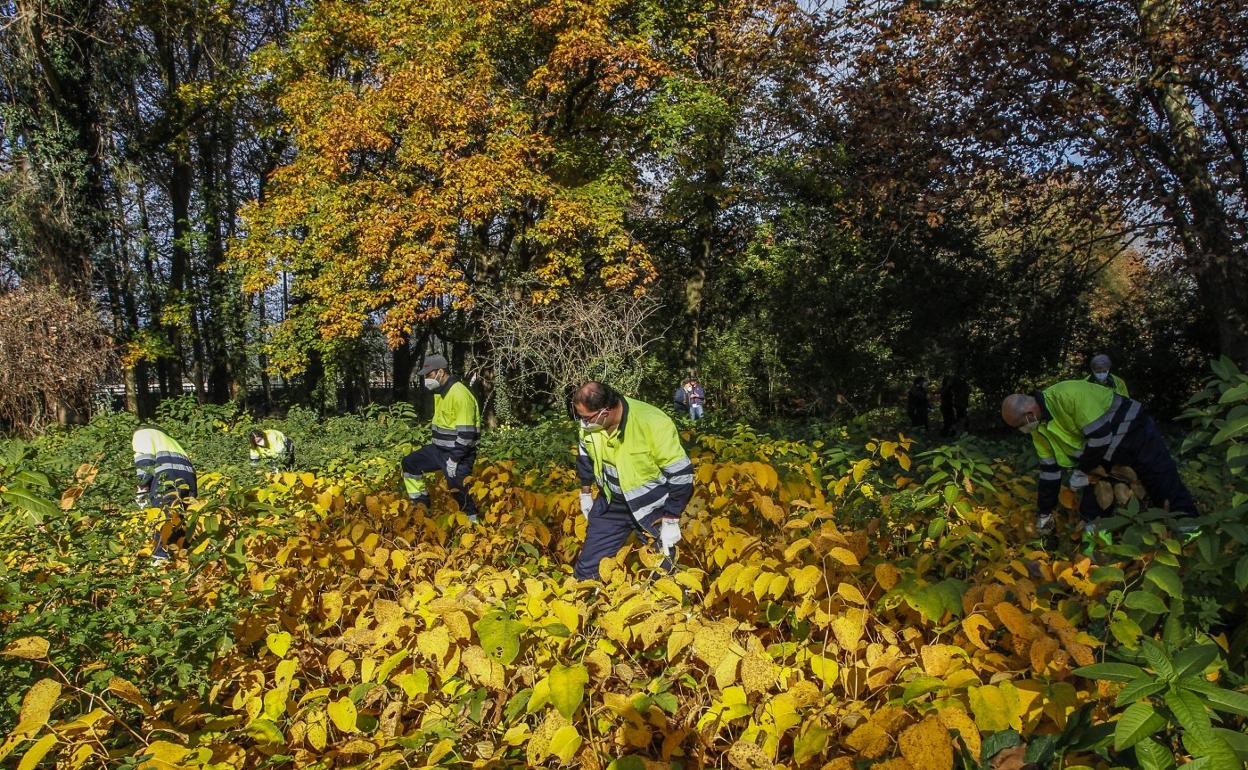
592,419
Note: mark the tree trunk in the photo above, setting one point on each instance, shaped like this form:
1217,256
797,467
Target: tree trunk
1219,269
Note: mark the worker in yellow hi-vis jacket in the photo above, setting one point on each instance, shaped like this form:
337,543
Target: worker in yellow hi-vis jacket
456,432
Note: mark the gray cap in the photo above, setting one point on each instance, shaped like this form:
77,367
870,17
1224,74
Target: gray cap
1101,360
432,364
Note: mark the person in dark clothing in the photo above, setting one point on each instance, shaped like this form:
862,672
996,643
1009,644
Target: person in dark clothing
948,415
955,397
917,403
680,399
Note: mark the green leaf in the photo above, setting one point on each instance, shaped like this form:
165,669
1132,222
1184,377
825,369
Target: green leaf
1194,660
920,686
1139,688
567,688
810,744
1156,656
1106,575
1241,573
1236,740
627,762
1166,578
500,636
1225,700
1220,755
38,508
1040,750
1113,672
1191,715
1143,600
997,742
1139,721
515,706
1153,756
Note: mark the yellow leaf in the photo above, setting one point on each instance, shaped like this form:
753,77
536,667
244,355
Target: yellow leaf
317,736
342,713
81,755
849,628
805,579
956,719
887,575
844,556
129,693
996,707
434,643
37,706
851,594
667,587
936,659
37,752
28,647
440,750
903,460
926,745
860,469
974,626
278,643
678,640
163,755
868,739
331,606
564,743
726,671
827,669
745,755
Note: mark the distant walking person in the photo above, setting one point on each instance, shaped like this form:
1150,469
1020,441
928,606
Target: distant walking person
1100,366
680,399
166,481
697,400
274,447
917,403
456,432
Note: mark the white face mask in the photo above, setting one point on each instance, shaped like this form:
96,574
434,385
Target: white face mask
1030,427
590,426
1101,376
432,384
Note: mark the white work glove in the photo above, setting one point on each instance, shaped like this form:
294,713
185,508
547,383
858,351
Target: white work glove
1044,523
669,535
1078,480
140,497
451,467
587,504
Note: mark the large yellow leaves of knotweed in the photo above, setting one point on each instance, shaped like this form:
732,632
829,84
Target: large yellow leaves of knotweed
804,628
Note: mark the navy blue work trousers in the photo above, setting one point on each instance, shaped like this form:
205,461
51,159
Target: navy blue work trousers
608,529
1144,449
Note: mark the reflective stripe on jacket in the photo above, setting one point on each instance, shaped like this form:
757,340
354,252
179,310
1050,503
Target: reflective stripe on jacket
155,454
1082,425
456,419
642,461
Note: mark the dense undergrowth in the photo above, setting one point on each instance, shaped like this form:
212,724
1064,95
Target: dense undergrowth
843,601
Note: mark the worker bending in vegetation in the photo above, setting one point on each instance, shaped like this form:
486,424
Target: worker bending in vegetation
166,481
456,433
1100,365
274,447
1085,428
631,452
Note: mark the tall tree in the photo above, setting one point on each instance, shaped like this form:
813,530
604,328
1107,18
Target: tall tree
1146,98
